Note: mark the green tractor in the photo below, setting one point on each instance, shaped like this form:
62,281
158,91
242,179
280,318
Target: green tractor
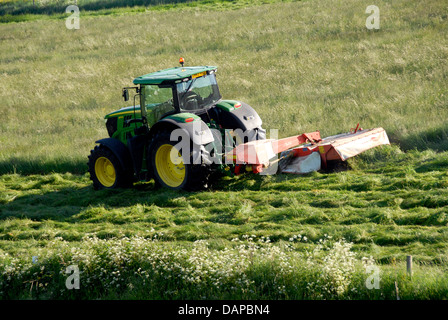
177,138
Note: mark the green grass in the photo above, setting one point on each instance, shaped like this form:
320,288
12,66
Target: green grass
51,7
390,205
394,209
303,66
314,67
24,10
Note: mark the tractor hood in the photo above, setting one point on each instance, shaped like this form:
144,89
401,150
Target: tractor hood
123,112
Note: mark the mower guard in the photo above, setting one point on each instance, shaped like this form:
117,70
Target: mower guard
294,159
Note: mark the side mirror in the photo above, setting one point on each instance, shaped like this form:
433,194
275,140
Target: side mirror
125,94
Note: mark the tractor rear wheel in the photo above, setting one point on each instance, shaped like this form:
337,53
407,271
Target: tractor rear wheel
106,171
170,169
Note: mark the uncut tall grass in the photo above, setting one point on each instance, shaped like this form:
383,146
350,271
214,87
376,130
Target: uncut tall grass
136,268
304,66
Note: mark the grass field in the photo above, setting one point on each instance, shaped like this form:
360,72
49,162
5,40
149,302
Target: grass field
304,66
392,204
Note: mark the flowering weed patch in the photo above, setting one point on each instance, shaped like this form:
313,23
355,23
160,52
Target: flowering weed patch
136,267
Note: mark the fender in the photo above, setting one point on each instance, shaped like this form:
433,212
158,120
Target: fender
231,116
197,130
120,150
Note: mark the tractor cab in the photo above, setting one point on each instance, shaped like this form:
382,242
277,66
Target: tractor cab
176,90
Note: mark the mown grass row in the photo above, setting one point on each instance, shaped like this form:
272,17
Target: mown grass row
390,207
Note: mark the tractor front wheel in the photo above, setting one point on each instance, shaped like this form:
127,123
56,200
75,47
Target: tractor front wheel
106,171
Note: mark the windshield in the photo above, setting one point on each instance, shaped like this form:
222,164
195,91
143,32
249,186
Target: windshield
198,93
157,95
159,101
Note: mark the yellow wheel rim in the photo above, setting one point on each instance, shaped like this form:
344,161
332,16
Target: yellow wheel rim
105,172
170,165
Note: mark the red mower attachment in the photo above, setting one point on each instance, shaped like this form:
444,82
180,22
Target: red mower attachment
306,152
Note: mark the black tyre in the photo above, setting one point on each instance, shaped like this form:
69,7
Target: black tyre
169,168
106,171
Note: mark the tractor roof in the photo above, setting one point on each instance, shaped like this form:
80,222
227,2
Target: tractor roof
171,74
